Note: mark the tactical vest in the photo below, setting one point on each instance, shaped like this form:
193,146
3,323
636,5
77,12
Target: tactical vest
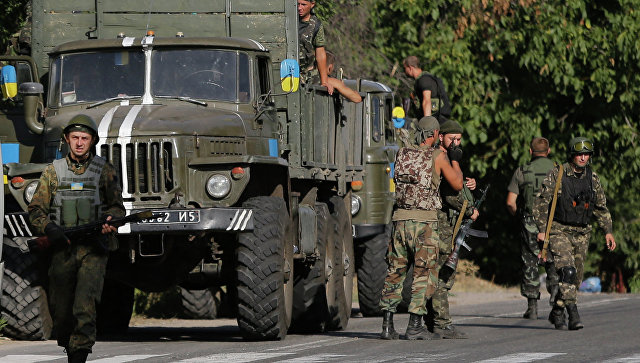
534,174
77,199
416,188
576,202
307,31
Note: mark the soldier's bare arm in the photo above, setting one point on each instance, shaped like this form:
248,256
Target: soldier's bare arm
345,91
511,203
321,59
426,102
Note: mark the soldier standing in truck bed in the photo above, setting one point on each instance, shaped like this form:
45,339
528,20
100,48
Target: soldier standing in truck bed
78,189
311,44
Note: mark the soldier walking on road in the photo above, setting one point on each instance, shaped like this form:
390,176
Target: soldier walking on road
417,174
452,204
526,183
580,195
78,189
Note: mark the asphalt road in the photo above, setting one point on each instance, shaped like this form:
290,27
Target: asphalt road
497,334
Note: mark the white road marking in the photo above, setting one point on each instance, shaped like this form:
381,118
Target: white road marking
234,357
30,358
316,344
520,357
317,358
631,359
125,358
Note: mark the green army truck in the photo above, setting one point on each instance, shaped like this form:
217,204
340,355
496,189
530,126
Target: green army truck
250,182
372,200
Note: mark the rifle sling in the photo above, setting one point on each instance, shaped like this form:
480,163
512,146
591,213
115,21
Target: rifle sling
545,246
459,222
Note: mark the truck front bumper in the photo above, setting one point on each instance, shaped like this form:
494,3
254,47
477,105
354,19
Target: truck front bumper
193,220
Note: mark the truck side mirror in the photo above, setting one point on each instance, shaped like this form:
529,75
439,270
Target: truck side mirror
31,92
289,75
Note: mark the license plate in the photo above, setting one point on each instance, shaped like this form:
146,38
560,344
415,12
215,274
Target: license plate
174,216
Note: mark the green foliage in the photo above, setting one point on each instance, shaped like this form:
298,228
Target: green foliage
157,304
515,70
3,323
12,16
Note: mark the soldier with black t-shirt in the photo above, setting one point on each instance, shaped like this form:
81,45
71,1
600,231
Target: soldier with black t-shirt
429,89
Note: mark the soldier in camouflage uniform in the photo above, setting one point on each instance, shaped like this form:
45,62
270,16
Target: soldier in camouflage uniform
579,197
526,182
452,202
417,173
76,190
311,45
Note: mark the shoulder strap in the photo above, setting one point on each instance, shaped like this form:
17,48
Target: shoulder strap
545,247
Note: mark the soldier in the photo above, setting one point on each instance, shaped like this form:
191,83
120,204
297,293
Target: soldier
429,89
312,44
415,237
452,204
580,195
526,182
76,190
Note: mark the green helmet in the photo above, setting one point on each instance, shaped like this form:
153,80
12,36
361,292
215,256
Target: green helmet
580,145
82,123
425,128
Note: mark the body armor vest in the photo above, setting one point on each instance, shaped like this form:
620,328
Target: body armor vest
534,174
307,32
416,188
77,199
576,202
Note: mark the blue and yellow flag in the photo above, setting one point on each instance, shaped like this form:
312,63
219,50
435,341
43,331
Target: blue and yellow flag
289,75
8,82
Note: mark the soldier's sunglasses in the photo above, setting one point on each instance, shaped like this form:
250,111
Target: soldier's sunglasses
582,146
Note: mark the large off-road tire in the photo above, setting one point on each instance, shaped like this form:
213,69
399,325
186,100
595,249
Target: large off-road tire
310,304
199,304
115,308
344,265
372,271
24,303
265,272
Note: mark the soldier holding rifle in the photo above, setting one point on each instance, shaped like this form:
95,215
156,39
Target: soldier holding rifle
78,189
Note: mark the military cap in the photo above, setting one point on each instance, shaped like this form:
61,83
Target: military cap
428,124
451,127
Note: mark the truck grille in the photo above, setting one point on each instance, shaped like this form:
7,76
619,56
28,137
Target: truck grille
148,166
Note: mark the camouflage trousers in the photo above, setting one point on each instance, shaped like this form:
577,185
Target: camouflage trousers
417,243
438,306
530,248
568,245
76,278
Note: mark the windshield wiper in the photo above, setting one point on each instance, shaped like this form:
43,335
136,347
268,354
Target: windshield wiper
117,98
185,99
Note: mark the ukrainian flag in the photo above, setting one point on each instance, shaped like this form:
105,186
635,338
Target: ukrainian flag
289,75
8,82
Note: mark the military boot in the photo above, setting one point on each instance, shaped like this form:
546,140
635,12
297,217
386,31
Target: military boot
417,331
78,356
450,332
557,317
574,317
532,309
388,332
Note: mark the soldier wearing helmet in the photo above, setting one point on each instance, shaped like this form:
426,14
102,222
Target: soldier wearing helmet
580,196
417,172
78,189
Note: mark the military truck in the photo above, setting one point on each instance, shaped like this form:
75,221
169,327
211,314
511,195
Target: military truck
250,180
372,200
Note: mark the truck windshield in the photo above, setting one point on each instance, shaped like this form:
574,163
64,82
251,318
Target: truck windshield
91,77
201,74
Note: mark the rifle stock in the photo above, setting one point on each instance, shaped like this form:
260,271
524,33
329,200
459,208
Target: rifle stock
43,242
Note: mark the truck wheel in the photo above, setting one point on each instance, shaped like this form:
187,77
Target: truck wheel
265,272
116,306
199,304
372,271
24,299
310,305
344,265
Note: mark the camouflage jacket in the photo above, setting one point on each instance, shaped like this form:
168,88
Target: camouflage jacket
311,36
542,203
110,193
417,183
452,202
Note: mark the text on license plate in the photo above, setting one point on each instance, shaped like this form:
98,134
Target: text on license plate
174,216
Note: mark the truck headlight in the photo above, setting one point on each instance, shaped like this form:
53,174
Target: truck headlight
356,203
30,190
218,186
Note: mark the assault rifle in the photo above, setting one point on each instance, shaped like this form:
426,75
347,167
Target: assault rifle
465,230
42,243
